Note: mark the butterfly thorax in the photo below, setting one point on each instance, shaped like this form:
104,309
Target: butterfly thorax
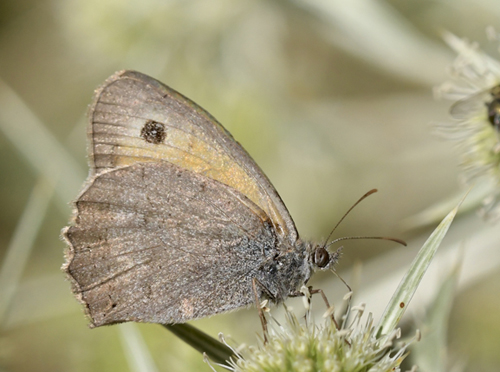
284,272
292,268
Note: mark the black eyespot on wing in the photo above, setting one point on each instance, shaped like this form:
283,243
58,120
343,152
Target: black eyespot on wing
153,132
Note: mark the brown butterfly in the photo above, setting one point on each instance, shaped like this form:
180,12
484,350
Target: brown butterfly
176,221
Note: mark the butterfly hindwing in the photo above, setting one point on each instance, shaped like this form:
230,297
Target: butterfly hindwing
153,242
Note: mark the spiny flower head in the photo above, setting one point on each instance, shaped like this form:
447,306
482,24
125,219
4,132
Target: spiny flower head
305,346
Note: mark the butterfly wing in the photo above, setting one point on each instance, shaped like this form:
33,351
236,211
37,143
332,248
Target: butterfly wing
154,242
135,118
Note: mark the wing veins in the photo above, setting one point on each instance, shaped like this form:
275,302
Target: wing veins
135,147
227,220
146,119
189,283
142,213
114,276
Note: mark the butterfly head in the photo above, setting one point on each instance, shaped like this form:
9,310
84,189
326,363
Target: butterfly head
322,259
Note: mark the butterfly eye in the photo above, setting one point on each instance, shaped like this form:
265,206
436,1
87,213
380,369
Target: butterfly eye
321,257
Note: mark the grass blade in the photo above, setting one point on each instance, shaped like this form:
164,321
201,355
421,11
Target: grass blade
409,284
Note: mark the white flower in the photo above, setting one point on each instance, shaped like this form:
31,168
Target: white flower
475,86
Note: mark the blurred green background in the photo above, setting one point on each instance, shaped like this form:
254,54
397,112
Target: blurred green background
331,98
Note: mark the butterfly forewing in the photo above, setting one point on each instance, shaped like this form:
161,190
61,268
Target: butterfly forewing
136,119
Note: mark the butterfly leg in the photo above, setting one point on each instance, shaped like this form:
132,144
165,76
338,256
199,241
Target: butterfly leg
263,321
314,291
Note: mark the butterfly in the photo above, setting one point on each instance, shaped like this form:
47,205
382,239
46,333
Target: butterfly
176,221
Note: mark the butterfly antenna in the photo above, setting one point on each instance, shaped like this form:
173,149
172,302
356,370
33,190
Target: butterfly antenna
373,191
399,241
